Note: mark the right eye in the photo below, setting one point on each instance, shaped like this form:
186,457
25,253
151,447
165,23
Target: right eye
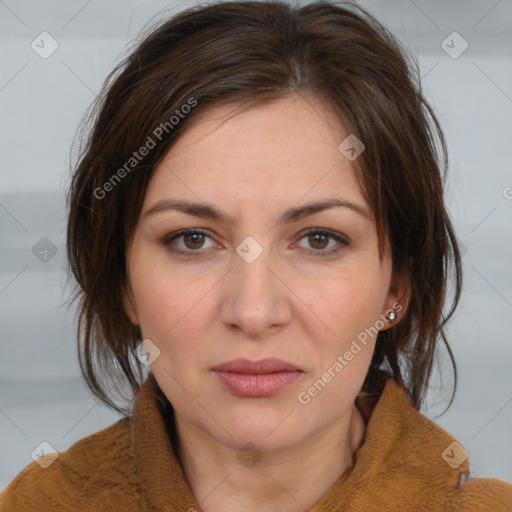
191,236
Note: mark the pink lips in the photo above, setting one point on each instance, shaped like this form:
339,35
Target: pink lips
261,378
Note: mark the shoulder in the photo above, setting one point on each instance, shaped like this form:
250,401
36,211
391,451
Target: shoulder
409,459
479,494
440,450
66,480
458,490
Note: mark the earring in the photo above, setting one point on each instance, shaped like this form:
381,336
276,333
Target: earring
391,315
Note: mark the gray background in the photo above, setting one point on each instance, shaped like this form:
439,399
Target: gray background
42,101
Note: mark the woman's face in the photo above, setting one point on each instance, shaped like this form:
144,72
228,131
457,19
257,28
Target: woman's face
255,284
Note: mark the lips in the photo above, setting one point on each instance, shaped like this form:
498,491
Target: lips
263,366
256,379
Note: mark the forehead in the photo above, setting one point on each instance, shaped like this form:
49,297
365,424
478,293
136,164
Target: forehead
270,156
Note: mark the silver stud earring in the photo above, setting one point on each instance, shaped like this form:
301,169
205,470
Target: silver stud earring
391,315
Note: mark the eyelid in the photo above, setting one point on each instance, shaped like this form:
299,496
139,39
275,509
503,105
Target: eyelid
333,234
342,241
167,239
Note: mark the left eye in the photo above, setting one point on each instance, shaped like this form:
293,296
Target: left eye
194,239
319,236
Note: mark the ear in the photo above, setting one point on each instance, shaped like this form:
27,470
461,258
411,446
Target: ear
398,298
129,303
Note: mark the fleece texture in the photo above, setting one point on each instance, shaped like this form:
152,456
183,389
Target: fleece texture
406,463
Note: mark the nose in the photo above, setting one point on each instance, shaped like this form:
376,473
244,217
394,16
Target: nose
256,300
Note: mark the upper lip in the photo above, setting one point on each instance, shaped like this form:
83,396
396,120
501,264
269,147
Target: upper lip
262,366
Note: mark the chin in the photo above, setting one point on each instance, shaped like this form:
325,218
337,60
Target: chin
267,431
259,442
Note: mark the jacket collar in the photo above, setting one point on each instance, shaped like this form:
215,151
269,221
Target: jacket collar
161,475
400,445
405,458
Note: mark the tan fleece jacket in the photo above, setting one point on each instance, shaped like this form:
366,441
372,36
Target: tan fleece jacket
406,463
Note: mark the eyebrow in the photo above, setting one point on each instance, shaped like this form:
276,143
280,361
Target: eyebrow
292,215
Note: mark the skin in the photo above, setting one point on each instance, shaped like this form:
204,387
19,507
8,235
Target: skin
290,303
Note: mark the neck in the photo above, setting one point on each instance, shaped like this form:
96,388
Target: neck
288,480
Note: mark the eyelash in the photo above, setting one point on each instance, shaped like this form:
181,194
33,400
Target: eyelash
168,239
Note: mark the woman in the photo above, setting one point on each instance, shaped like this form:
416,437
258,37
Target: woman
257,218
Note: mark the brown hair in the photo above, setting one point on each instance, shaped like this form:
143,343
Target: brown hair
251,52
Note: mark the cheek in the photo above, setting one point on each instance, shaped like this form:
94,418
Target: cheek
347,308
161,299
174,309
347,302
168,306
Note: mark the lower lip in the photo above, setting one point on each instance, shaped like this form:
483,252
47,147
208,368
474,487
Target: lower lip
261,385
